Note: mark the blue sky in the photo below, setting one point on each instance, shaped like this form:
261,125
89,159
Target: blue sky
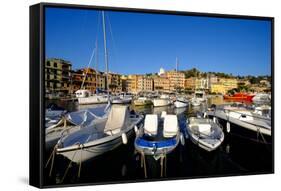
142,43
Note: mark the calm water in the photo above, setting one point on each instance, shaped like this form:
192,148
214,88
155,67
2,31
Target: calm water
234,156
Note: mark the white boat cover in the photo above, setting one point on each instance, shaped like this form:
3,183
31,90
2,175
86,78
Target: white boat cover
170,128
118,119
151,124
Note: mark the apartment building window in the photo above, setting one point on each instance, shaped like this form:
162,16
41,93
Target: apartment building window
48,63
55,64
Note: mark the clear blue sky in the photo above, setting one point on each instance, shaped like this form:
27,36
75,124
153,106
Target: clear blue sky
142,43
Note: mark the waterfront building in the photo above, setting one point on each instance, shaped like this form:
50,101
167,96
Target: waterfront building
161,84
144,83
202,83
114,82
177,79
189,83
57,77
223,85
132,83
84,78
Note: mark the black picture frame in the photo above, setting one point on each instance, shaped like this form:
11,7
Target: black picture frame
36,82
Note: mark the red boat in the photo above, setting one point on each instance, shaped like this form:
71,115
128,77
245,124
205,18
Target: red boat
239,96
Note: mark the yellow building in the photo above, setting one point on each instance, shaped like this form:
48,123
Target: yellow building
177,79
144,83
224,85
201,83
57,77
161,84
132,83
190,83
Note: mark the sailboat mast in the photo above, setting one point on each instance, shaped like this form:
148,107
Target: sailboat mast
177,64
97,83
105,52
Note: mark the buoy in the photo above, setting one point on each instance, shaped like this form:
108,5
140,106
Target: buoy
124,138
228,127
182,139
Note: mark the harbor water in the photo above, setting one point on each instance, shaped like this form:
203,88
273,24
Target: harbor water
236,156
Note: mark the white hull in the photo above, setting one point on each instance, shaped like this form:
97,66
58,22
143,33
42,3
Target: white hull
92,100
179,104
161,102
256,125
95,149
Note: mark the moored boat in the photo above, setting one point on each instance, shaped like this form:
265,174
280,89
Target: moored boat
239,97
142,101
102,135
164,100
181,102
243,121
205,133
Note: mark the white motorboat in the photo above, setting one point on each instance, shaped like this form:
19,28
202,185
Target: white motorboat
102,135
205,133
164,100
244,121
200,96
142,101
85,97
122,99
261,97
181,102
195,102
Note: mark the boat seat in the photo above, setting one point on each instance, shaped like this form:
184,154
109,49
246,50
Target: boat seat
204,128
170,128
118,119
163,114
151,124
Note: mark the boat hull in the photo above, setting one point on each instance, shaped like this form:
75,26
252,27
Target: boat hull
179,104
161,102
88,153
92,100
243,130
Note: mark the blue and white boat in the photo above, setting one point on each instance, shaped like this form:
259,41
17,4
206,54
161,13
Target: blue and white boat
158,136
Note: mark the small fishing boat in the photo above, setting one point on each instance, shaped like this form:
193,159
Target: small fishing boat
181,102
205,133
239,97
164,100
158,136
142,101
100,136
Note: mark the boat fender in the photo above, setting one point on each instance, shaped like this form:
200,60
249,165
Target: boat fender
205,114
182,139
214,119
124,138
228,127
136,129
